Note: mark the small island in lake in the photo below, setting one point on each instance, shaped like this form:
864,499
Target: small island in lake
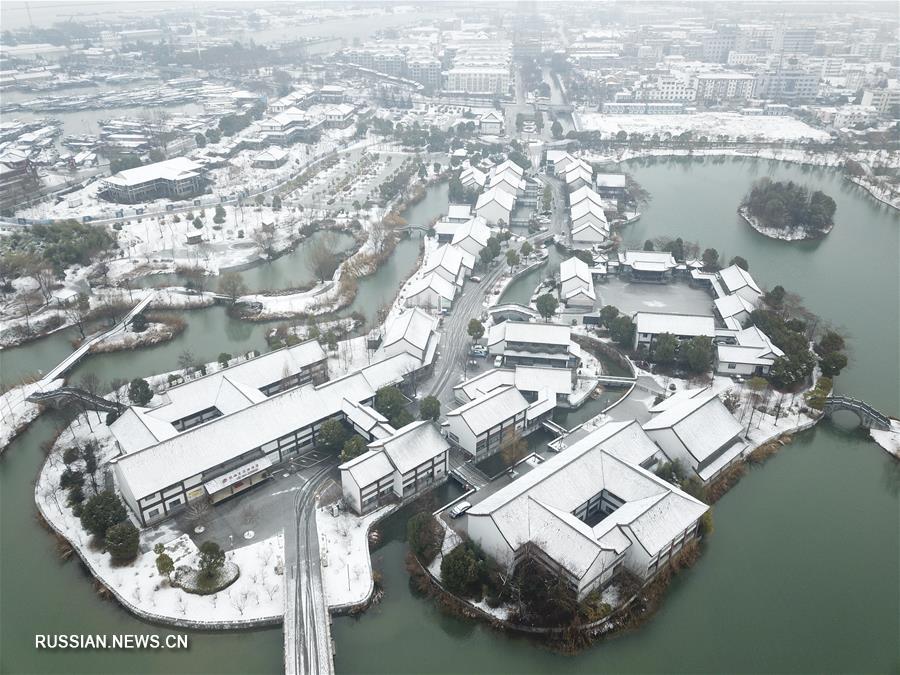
788,211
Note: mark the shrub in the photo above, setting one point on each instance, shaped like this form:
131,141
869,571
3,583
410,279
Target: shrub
425,536
705,526
76,495
122,542
460,570
212,560
71,478
224,358
139,392
72,454
101,512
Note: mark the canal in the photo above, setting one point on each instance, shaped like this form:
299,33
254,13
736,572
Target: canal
801,547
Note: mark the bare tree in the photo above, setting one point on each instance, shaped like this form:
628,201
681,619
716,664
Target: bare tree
324,260
187,361
77,312
264,237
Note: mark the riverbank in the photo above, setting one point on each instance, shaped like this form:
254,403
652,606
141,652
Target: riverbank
254,599
793,234
886,196
806,157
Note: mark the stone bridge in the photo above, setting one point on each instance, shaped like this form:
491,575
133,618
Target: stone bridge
868,416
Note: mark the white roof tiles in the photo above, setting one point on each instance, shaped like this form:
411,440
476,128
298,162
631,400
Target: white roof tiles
575,268
676,324
413,325
587,207
501,197
412,445
584,193
447,257
564,482
702,423
475,228
648,260
735,278
489,410
432,282
170,169
204,447
523,331
732,305
368,468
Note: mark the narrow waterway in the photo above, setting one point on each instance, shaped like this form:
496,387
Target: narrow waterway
291,270
801,545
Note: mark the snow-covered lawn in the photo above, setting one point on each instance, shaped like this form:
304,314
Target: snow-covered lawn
709,124
257,595
344,547
890,439
16,413
154,334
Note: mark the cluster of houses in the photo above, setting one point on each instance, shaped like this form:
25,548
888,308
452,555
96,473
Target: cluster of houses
446,268
504,184
218,435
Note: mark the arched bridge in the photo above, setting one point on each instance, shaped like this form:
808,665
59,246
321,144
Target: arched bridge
868,416
66,395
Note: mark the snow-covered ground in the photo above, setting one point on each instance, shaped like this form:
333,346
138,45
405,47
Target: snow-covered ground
257,595
796,155
16,413
344,547
153,334
890,439
709,124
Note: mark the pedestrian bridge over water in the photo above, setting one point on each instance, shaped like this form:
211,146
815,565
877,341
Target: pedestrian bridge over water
868,416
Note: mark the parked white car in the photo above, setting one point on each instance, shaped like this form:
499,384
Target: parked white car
460,509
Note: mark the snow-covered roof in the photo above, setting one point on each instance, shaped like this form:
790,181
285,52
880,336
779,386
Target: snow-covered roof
585,207
584,193
486,382
475,228
370,467
272,154
495,194
676,324
446,257
471,175
648,260
588,225
363,416
574,173
610,180
229,390
414,326
575,268
508,165
205,447
171,169
536,378
732,305
457,211
535,333
702,423
578,165
753,347
567,480
431,282
489,410
412,445
735,278
491,116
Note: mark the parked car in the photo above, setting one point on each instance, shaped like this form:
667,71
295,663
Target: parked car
460,509
498,362
477,280
479,350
